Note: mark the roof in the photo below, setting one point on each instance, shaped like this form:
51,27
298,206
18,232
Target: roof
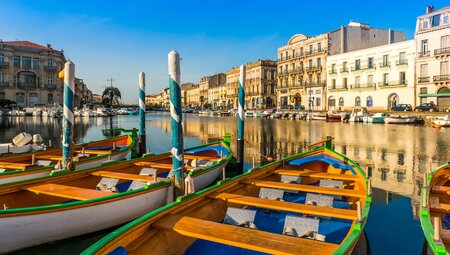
25,44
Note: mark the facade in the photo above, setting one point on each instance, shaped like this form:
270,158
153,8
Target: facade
302,62
29,73
192,95
83,96
260,84
153,100
433,54
212,83
377,78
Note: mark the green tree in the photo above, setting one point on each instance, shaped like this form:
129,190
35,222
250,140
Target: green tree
111,96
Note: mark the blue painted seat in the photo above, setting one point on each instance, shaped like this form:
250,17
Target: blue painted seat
336,163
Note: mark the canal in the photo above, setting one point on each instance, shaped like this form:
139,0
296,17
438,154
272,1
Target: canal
395,156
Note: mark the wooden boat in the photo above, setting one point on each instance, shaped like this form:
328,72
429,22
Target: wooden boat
435,210
318,116
38,164
261,211
398,119
53,208
333,116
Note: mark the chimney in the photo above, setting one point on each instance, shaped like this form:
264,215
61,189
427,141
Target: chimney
430,9
389,36
49,45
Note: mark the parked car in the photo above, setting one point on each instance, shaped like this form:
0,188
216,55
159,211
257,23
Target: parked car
446,109
427,107
401,107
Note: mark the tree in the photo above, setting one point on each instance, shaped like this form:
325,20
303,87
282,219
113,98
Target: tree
111,93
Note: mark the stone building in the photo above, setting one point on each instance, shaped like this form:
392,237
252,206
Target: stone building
83,96
433,54
377,78
260,85
193,96
209,82
29,73
302,62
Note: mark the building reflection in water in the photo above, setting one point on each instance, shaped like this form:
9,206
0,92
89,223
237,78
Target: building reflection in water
394,156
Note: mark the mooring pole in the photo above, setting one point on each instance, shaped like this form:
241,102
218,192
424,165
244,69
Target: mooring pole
176,119
69,93
142,142
241,115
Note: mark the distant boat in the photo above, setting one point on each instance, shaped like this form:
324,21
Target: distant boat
249,114
131,111
441,121
311,203
374,118
357,114
102,112
203,113
334,116
319,116
31,165
398,119
53,208
434,210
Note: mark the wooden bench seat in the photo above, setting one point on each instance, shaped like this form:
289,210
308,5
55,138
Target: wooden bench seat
286,206
48,157
243,237
441,190
445,235
15,166
125,176
58,190
306,188
94,152
200,157
158,165
320,175
436,206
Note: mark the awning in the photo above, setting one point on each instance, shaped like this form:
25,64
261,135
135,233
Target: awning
435,95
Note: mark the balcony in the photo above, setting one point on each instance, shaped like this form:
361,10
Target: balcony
25,85
441,78
339,88
363,85
315,84
385,65
424,54
332,71
297,70
50,86
313,68
423,79
344,70
359,68
4,84
401,62
4,64
50,68
393,84
442,52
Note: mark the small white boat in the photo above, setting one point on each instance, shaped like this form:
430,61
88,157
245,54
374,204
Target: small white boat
249,114
102,112
441,121
358,114
397,119
203,113
318,116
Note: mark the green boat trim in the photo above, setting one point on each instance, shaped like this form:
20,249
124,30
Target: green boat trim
102,199
425,220
348,243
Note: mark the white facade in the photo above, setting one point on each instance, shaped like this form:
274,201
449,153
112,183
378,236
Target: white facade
377,78
433,55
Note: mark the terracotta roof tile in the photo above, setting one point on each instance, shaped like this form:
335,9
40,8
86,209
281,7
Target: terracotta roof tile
25,44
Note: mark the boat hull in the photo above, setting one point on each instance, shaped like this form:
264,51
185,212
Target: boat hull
391,120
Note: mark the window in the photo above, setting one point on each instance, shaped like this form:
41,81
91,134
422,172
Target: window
344,83
333,68
2,78
369,101
286,67
319,47
2,58
301,65
444,68
293,53
281,56
357,64
424,70
423,90
331,102
301,51
2,95
424,47
50,80
370,82
402,76
357,101
310,49
370,63
357,81
385,60
333,83
344,67
50,98
318,101
385,79
341,102
287,55
36,63
293,66
445,20
26,62
435,20
445,41
310,63
402,58
50,63
319,62
318,80
424,24
16,61
401,159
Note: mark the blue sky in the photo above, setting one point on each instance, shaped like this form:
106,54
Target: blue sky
119,39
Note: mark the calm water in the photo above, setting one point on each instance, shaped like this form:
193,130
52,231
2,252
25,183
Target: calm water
395,157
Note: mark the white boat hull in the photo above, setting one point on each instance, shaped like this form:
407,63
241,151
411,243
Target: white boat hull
390,120
442,122
203,180
24,231
80,166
